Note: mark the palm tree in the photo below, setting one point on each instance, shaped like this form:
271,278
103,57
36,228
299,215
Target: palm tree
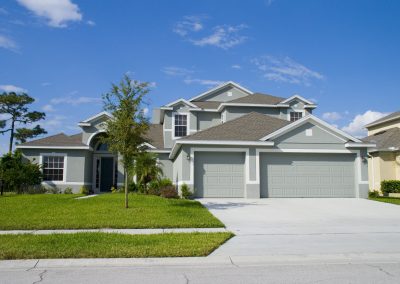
146,169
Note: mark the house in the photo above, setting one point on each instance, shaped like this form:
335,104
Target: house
384,159
225,142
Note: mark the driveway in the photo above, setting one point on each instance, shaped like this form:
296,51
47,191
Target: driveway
294,226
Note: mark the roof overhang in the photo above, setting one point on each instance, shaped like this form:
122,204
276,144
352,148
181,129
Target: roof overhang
53,147
314,119
179,143
383,121
88,122
359,145
219,87
181,100
288,100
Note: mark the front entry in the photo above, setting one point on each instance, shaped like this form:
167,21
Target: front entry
107,173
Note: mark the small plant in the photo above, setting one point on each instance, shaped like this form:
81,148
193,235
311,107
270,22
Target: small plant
117,189
169,191
186,193
164,182
154,188
390,186
68,190
53,190
373,194
36,189
132,187
84,190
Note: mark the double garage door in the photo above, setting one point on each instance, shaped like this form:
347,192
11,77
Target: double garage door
281,175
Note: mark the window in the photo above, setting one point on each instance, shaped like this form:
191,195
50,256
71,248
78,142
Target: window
102,147
53,168
180,125
295,115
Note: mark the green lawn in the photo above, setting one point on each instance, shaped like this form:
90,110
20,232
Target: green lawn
392,200
105,245
62,211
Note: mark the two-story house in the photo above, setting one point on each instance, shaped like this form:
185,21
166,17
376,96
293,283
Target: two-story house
384,159
225,142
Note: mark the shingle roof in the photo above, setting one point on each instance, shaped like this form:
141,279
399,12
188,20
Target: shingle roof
155,136
385,118
385,139
250,127
258,98
208,104
57,140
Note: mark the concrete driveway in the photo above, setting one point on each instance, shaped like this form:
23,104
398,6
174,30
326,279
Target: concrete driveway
294,226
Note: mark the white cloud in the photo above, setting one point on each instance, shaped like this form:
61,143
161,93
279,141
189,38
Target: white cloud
356,126
48,108
285,70
8,43
189,24
223,37
57,12
75,101
176,71
236,66
12,88
202,82
91,23
331,116
53,122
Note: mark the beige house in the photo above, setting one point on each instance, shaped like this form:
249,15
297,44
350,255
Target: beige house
384,160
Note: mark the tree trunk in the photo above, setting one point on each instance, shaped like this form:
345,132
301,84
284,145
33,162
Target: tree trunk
11,136
126,188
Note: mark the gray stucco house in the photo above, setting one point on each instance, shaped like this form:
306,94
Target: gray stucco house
225,142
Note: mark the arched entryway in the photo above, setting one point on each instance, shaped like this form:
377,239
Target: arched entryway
105,166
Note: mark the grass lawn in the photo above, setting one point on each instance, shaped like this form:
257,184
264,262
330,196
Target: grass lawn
63,211
392,200
105,245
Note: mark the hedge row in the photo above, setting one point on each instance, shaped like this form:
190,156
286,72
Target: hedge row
390,186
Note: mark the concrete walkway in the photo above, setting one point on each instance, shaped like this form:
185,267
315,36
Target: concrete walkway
120,231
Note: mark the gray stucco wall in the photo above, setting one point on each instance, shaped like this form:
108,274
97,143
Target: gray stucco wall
208,119
224,96
167,165
235,112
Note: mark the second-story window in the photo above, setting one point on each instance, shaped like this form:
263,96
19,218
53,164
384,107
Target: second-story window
180,125
295,115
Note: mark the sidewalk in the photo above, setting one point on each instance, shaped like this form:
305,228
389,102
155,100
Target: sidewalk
120,231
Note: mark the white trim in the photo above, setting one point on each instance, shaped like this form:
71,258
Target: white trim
88,120
93,135
181,100
359,145
159,151
176,146
53,147
53,154
166,108
204,109
148,145
84,124
302,121
296,97
383,121
223,85
187,124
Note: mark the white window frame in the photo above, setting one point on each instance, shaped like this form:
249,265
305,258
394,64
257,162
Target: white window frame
65,166
293,110
187,124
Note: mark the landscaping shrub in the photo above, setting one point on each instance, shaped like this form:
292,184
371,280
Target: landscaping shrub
390,186
53,190
154,188
132,187
68,190
117,189
186,193
169,191
36,189
84,190
373,194
164,182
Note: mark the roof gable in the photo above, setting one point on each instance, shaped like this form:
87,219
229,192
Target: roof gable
181,101
216,90
296,97
91,120
315,121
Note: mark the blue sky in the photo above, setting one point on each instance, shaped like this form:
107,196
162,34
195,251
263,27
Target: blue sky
344,55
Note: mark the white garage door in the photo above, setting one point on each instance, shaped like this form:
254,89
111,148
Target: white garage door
219,174
307,175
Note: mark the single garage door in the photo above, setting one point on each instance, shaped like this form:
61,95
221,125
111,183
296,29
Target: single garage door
219,174
307,175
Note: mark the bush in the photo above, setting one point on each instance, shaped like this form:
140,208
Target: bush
132,187
164,182
36,189
84,190
185,191
169,191
390,186
373,194
154,188
68,190
117,190
53,190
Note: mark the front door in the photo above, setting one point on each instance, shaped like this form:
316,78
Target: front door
107,173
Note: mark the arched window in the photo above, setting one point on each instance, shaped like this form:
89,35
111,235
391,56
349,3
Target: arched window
102,147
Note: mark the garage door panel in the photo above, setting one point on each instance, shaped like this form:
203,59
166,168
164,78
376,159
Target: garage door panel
307,175
219,174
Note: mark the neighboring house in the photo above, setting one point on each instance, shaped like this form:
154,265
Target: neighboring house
225,142
384,159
